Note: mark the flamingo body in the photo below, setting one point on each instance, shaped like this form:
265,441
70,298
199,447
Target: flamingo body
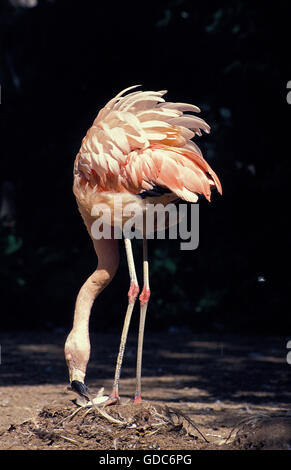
139,147
139,142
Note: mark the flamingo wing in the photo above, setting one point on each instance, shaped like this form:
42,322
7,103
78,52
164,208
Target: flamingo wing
139,142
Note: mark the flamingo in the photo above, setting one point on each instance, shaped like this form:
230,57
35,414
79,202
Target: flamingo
139,148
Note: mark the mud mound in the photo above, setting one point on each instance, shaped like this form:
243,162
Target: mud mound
144,426
264,433
127,426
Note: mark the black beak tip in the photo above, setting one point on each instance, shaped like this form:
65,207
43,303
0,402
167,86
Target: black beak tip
80,388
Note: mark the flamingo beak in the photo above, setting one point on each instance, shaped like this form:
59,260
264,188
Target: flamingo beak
81,389
77,379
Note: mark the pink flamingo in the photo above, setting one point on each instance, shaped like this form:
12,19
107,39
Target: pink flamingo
140,148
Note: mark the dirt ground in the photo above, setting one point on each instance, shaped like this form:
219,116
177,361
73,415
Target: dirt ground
200,392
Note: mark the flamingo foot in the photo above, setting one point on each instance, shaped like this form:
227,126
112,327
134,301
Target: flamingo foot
137,399
113,399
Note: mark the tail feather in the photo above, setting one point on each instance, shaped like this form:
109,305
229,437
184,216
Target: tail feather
184,173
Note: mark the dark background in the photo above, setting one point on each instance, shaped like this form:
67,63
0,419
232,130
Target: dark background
60,63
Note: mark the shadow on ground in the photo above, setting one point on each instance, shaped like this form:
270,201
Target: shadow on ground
209,368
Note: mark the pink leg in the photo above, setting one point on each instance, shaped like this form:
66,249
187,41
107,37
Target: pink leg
144,299
132,295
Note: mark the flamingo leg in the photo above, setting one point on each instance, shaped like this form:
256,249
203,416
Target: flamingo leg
132,295
144,298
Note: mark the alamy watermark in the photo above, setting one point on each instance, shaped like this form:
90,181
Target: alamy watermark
288,358
288,97
134,220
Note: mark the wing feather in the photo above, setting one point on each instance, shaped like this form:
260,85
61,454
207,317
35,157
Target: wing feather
138,141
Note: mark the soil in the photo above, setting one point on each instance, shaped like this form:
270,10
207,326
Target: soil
199,392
